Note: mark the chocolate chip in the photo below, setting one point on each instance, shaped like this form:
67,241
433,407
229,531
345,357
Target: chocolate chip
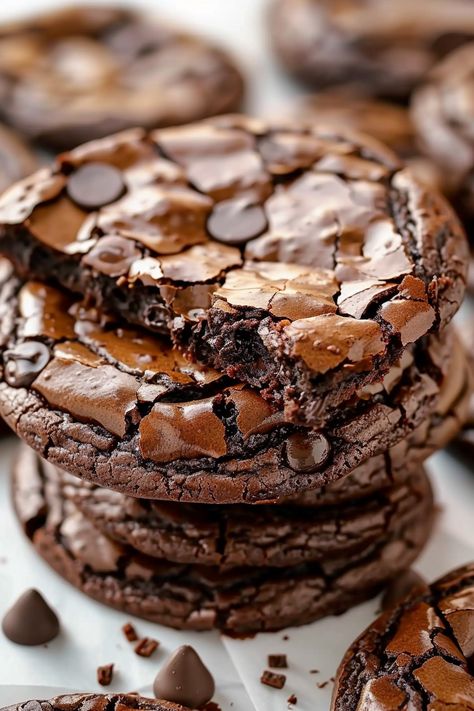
146,646
406,583
277,681
129,631
237,221
105,674
30,621
24,362
307,452
112,256
277,661
94,185
184,679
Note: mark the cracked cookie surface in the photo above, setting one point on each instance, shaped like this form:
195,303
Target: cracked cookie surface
239,599
124,410
418,655
313,527
302,262
97,702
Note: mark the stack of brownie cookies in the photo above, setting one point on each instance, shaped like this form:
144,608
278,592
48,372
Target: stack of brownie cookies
196,320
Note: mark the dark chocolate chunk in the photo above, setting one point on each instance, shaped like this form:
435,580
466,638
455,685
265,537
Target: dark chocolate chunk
185,679
277,661
30,621
292,699
129,631
105,674
146,647
277,681
24,363
95,185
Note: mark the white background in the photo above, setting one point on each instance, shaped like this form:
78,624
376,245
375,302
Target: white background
91,633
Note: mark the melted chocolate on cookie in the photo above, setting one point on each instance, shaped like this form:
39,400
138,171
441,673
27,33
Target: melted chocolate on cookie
300,261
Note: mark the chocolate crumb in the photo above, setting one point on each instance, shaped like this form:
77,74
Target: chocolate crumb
314,671
285,637
129,631
146,646
105,674
277,661
322,684
292,699
277,681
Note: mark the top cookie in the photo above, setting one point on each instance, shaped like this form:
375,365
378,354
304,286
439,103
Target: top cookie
443,113
385,48
79,73
299,261
416,656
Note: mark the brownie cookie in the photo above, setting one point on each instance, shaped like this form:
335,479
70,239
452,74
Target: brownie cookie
194,596
383,48
16,159
97,702
299,261
77,74
387,122
289,533
124,410
418,655
443,113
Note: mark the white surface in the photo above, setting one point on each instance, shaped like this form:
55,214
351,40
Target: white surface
91,632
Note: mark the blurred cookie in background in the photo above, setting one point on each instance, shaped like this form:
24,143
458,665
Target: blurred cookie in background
384,47
443,114
83,72
388,122
16,159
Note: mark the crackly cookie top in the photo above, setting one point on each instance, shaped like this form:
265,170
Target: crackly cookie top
326,234
418,655
443,112
97,702
82,72
384,48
